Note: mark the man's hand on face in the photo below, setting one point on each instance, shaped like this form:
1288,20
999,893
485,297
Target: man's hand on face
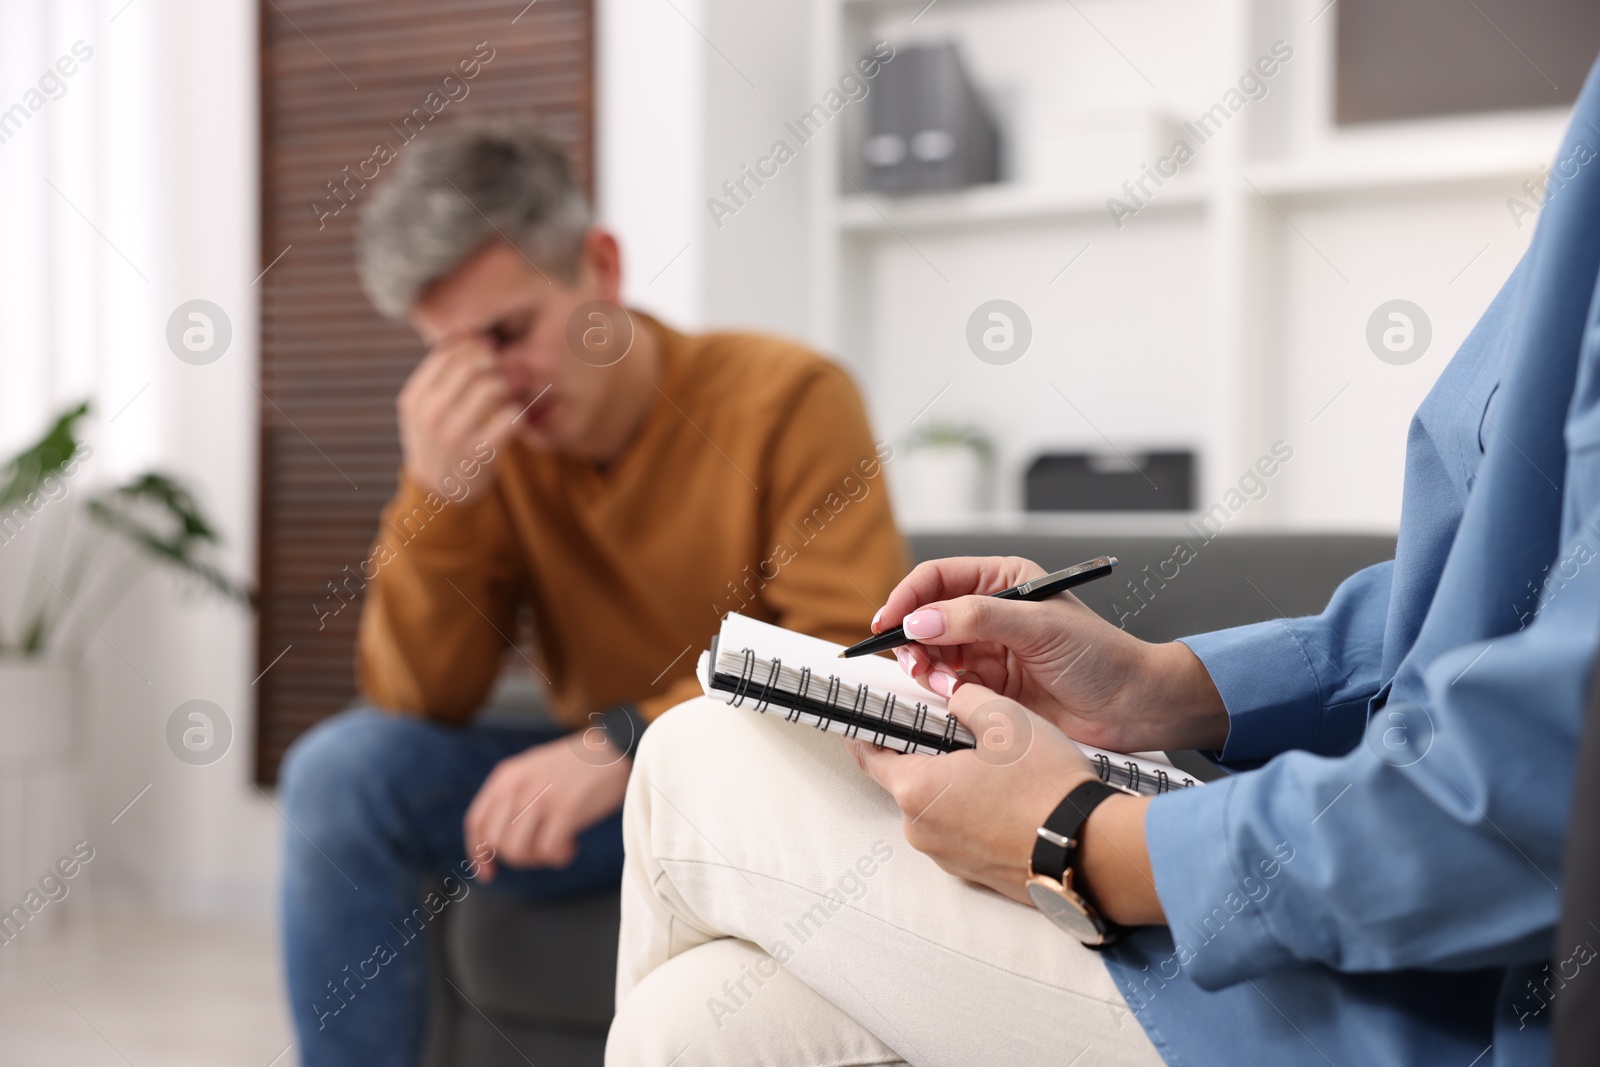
454,405
533,805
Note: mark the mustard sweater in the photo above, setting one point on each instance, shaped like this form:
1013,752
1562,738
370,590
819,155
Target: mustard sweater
752,485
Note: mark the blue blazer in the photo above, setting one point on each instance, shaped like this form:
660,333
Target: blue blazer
1379,882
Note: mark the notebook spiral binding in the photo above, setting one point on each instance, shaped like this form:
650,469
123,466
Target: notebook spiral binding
854,710
803,693
737,700
770,688
1129,775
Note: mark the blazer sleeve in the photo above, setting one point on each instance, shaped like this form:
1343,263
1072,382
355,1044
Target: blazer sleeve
1301,683
1436,843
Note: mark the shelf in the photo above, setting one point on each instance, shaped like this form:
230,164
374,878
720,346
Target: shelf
983,205
1304,182
1373,169
1250,333
851,6
1335,174
1056,523
1177,524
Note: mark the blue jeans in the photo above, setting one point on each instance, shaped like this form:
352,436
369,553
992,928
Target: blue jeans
374,804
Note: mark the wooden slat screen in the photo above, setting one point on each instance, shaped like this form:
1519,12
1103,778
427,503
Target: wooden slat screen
339,78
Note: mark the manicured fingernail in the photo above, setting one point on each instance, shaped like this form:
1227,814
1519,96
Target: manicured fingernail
903,654
929,622
942,681
876,619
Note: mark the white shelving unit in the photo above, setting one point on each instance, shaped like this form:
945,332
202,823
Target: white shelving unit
1226,315
987,205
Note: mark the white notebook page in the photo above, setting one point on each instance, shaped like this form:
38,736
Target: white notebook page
878,672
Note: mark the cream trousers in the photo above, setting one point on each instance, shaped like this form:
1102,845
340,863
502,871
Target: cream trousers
772,913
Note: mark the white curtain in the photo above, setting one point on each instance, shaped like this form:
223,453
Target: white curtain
128,186
72,176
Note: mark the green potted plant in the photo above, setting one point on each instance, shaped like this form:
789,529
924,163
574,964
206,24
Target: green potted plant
947,472
80,552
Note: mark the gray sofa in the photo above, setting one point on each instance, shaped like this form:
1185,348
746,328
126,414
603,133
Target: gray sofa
519,983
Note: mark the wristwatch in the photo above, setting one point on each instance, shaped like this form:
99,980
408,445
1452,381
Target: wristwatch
623,726
1055,857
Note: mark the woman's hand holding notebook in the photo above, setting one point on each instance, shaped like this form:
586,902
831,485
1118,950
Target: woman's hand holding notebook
769,669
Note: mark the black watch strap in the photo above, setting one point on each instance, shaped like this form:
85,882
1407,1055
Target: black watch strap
623,726
1052,859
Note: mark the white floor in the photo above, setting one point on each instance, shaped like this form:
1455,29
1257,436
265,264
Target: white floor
144,991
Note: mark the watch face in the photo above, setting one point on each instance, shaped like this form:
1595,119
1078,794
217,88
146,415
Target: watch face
1066,910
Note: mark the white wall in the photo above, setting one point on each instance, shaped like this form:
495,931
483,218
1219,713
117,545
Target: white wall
755,267
1347,471
649,107
687,92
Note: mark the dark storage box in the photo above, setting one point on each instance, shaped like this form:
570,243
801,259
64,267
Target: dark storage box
1082,481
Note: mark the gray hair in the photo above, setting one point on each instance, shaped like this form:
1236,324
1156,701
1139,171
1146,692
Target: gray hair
455,190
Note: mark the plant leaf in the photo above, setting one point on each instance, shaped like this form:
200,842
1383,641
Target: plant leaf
33,639
182,536
28,469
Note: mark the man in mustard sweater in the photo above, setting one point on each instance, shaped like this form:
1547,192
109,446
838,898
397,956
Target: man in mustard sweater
624,483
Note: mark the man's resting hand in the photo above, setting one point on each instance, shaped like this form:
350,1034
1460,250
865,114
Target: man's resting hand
533,805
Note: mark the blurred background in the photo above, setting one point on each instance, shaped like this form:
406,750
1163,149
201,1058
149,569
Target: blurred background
1097,265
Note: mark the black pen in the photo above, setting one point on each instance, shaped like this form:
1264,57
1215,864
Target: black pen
1041,588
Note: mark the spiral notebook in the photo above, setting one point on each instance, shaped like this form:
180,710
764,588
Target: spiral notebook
766,668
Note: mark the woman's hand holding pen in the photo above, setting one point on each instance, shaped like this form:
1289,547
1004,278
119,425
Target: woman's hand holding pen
1058,658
